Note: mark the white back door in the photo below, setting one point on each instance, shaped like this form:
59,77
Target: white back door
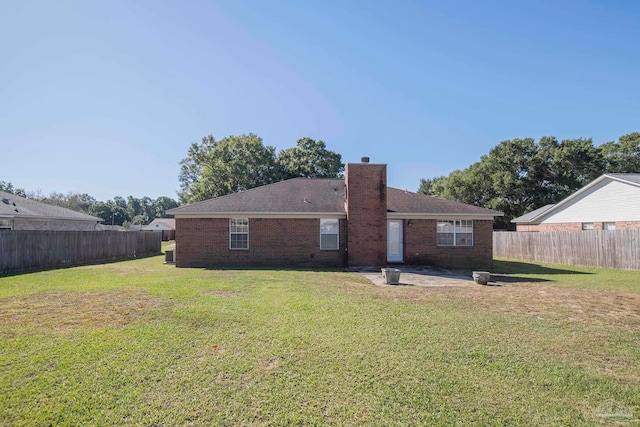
395,245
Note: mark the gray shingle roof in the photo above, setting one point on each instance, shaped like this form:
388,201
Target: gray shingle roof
297,195
629,177
159,223
169,222
403,201
320,195
531,215
19,207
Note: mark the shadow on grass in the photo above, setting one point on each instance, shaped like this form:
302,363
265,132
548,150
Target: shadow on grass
516,267
515,279
508,271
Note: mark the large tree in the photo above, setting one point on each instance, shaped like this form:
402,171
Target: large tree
310,159
622,156
8,187
163,204
236,163
74,201
519,175
111,213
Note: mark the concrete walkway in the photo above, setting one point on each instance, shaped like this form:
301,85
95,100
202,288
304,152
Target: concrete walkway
420,276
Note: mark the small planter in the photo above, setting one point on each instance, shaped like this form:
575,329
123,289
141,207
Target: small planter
391,276
481,277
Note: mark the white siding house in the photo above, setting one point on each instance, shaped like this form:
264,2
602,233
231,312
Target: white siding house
610,202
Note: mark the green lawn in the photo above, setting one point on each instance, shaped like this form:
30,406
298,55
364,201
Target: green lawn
139,342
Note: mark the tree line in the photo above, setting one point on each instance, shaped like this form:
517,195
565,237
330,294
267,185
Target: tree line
516,177
520,175
118,211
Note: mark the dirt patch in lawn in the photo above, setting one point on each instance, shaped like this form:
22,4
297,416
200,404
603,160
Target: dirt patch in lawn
60,312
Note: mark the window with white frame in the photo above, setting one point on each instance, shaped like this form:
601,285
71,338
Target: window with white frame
329,230
454,232
5,224
587,226
608,225
239,233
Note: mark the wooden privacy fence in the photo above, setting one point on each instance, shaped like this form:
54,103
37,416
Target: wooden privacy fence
594,248
39,250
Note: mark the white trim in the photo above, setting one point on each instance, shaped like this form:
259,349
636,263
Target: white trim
311,215
479,217
617,178
49,218
334,215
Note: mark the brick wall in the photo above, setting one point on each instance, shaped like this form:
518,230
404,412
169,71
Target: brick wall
366,214
420,246
628,225
273,242
576,226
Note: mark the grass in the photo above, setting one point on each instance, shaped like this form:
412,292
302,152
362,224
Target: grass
140,342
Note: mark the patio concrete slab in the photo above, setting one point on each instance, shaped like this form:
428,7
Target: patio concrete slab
420,276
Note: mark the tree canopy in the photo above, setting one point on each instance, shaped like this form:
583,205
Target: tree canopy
237,163
311,159
520,175
8,187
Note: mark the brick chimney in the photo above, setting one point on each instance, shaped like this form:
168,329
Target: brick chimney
366,207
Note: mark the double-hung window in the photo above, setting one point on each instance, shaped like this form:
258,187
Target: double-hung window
239,233
454,232
329,230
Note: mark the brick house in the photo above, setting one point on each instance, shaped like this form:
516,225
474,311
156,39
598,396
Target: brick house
610,202
314,222
19,213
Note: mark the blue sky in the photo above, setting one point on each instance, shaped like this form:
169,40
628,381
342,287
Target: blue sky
104,97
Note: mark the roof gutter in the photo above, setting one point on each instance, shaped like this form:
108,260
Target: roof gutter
401,215
261,215
47,218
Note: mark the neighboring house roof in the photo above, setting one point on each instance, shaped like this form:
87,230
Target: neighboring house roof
630,178
538,215
12,206
161,224
531,215
313,196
